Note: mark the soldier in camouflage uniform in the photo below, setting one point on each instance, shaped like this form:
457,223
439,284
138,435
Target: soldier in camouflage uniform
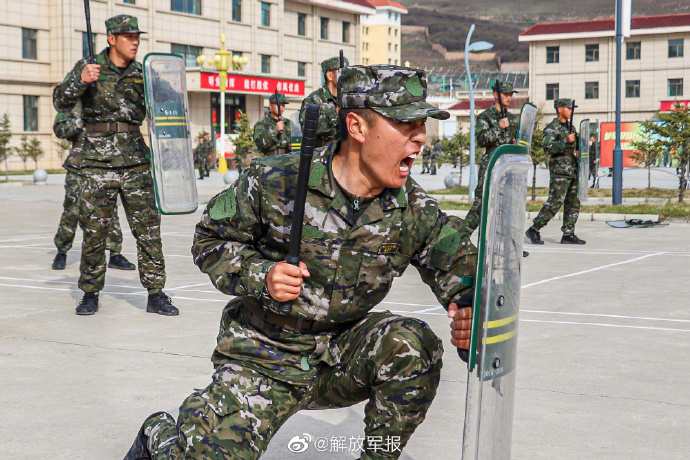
272,134
327,129
366,221
436,152
560,144
68,125
115,161
426,153
201,155
492,130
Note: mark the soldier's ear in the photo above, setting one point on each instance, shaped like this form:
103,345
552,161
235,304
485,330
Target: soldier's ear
357,127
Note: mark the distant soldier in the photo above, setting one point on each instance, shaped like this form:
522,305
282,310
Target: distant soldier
201,155
272,134
593,159
436,152
115,163
560,144
68,125
495,126
426,153
327,130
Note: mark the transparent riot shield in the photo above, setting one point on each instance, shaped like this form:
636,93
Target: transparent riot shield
583,162
528,118
493,344
172,156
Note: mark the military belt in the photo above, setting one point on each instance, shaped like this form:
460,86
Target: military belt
111,127
259,317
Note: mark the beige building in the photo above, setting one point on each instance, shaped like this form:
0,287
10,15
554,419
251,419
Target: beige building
578,60
382,32
284,41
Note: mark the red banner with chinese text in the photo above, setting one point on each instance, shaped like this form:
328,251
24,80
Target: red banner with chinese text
252,84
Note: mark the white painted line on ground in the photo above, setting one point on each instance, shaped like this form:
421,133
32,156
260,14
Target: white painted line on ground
188,286
64,282
29,237
591,270
625,326
601,315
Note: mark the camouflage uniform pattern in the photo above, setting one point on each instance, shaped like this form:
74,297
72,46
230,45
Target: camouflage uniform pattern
267,373
426,153
436,152
327,128
201,155
114,163
489,135
394,92
268,138
68,125
563,178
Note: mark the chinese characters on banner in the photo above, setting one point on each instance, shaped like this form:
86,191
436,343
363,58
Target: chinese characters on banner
253,84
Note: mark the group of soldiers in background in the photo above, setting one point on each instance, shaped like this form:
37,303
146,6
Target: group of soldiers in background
430,157
202,155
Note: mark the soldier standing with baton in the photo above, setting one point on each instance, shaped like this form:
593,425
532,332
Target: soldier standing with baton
272,134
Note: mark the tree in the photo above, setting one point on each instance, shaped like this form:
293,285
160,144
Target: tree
537,152
245,148
5,135
671,132
30,148
647,152
454,150
63,146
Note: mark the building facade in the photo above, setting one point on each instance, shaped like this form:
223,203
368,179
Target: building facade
578,60
284,42
382,32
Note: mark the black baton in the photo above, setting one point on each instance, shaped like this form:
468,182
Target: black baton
89,35
311,119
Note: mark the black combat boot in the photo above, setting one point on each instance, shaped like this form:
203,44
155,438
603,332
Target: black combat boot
161,304
88,305
572,239
534,236
118,261
59,261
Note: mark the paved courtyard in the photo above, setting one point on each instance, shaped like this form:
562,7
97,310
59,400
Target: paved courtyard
602,370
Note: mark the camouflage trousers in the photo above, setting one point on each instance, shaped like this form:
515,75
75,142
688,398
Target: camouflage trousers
473,217
70,218
562,192
392,362
100,189
204,164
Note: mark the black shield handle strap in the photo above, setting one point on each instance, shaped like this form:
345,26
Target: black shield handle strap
311,119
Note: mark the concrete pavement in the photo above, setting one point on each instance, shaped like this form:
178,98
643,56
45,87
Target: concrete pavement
602,364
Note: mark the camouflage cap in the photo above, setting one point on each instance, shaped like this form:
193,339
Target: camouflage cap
123,24
563,102
332,64
394,92
281,96
506,87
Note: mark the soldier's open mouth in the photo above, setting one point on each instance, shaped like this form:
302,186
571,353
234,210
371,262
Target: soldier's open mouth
406,164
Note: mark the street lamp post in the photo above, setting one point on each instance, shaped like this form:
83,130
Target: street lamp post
476,47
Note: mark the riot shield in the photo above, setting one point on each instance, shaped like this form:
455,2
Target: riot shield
583,162
528,118
493,343
172,157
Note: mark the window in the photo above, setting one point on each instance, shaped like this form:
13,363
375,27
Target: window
265,64
85,44
552,54
366,30
591,53
366,46
591,90
389,47
396,62
551,91
346,32
301,69
237,10
633,50
30,113
130,2
396,47
675,48
265,14
189,53
390,14
301,24
29,44
389,62
675,87
632,88
396,32
186,6
324,28
389,31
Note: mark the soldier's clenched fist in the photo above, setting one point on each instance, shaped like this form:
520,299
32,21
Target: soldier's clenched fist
90,73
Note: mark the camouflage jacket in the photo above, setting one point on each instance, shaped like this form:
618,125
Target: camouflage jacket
268,138
436,150
246,229
68,125
117,96
562,159
488,132
327,129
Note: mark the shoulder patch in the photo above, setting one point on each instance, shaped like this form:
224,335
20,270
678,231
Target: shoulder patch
448,240
317,172
225,206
